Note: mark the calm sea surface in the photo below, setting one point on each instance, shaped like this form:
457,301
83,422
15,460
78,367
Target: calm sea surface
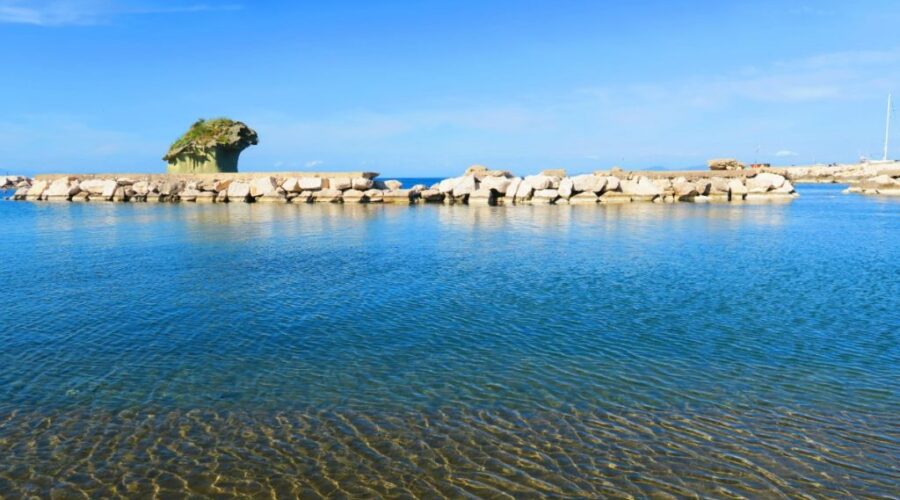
329,350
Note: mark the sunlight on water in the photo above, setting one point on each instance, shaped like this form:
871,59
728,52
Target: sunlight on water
343,350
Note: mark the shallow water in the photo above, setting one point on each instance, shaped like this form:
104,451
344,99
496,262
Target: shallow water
641,350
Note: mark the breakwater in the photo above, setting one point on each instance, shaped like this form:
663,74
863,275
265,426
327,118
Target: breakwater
477,186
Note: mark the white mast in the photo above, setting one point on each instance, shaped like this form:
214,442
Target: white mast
887,129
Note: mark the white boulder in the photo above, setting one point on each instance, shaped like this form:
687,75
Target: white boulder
262,186
238,191
311,183
566,188
498,184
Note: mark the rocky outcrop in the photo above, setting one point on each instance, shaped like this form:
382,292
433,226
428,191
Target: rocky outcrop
210,146
9,182
725,164
886,183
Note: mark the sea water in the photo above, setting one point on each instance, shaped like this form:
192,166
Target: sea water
372,350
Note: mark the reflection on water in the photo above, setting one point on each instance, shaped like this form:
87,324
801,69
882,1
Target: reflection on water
364,350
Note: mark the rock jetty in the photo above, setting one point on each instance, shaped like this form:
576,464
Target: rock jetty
836,173
885,183
14,182
477,186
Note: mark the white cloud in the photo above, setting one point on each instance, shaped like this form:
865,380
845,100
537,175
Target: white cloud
314,163
785,153
86,12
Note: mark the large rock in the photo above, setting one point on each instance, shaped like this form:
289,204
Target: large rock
432,196
262,186
61,189
545,196
362,183
375,195
399,196
786,188
763,182
327,196
724,164
393,185
685,189
554,172
340,183
640,187
189,194
539,181
210,146
476,170
291,185
511,190
736,190
355,196
467,185
613,183
36,190
719,185
588,183
585,198
92,186
109,189
566,188
483,196
170,187
311,183
238,191
277,196
525,191
447,185
498,184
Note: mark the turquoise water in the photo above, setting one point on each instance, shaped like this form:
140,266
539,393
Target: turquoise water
353,350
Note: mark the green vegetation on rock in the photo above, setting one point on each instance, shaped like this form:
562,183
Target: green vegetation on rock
210,146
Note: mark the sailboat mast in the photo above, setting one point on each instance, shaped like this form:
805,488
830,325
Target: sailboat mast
887,129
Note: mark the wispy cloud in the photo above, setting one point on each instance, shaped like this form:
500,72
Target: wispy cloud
784,153
87,12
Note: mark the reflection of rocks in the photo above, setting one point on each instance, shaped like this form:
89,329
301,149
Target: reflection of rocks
480,186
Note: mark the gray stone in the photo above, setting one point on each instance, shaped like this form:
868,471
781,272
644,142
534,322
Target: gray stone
238,191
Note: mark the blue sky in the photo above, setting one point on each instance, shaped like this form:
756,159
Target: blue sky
424,88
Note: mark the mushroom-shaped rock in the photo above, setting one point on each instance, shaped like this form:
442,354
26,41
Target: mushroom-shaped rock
210,146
